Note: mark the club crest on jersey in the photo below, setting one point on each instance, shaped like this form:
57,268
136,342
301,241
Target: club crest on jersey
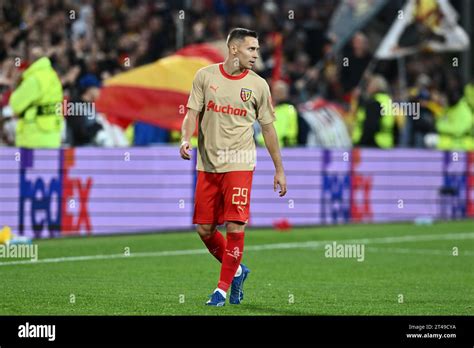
245,94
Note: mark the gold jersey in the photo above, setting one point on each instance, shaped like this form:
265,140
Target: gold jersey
228,106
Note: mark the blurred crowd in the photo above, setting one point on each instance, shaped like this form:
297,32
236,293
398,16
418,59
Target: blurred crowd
88,41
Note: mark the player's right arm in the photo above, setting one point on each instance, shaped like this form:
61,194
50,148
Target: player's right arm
195,103
187,131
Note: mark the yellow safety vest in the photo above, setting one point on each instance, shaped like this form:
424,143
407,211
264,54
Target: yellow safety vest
38,103
455,128
384,137
469,95
286,126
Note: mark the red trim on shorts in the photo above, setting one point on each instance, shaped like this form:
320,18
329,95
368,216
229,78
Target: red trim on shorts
232,77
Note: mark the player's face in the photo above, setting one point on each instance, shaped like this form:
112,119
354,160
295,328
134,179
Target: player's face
247,52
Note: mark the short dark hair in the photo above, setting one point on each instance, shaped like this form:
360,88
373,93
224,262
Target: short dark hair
240,34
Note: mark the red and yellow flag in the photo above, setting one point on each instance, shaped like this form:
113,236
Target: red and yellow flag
157,93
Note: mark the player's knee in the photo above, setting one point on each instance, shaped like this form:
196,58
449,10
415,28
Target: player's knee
206,230
235,226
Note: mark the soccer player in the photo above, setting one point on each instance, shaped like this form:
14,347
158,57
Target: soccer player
226,99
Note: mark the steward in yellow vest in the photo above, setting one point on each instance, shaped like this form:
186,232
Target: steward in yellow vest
469,96
455,127
286,123
38,103
375,123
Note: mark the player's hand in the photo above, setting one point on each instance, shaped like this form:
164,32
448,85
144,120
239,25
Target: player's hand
185,150
280,179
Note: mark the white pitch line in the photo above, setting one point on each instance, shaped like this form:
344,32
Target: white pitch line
274,246
420,251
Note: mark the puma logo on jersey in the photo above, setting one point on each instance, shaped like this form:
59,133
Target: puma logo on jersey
214,88
242,209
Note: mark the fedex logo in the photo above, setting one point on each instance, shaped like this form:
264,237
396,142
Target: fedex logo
456,179
361,191
335,204
49,199
227,109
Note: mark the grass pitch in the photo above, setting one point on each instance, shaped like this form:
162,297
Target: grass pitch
406,270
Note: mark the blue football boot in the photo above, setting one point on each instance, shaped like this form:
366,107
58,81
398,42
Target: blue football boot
237,289
216,299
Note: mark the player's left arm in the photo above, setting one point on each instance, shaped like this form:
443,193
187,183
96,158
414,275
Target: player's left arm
271,142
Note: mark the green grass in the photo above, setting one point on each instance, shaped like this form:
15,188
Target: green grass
431,283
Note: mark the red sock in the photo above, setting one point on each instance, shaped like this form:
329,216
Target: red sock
231,259
215,244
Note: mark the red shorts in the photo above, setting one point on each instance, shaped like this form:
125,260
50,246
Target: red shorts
222,197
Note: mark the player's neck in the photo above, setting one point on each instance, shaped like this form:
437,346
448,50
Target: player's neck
230,68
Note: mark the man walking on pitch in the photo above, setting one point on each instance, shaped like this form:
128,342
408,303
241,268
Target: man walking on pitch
226,99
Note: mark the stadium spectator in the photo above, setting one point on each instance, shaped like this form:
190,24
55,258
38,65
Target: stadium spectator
455,126
424,123
358,58
469,94
375,122
35,102
83,128
287,119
